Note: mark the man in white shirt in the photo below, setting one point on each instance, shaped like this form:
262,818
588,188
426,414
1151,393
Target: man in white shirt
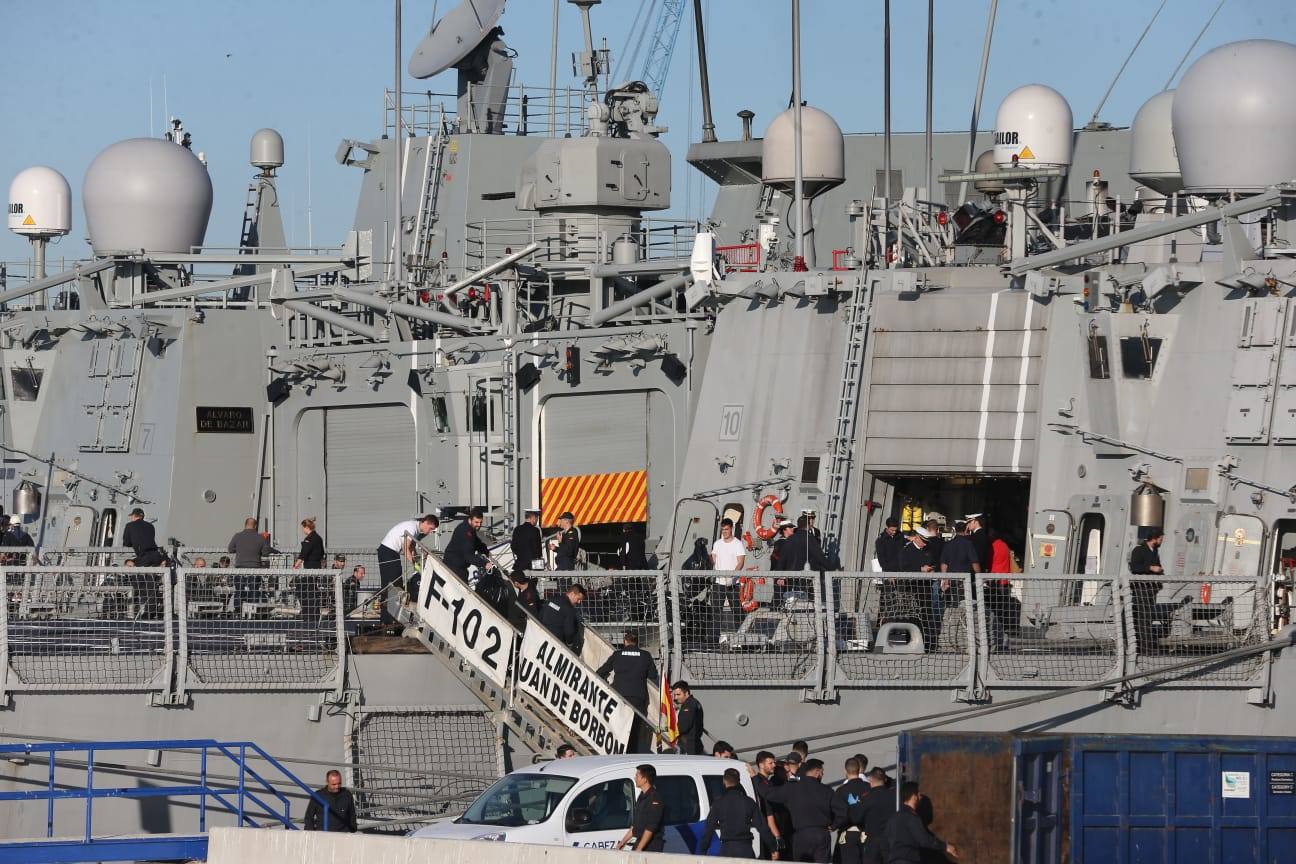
396,544
728,554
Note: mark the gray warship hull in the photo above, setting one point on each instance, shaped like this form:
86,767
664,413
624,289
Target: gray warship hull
598,370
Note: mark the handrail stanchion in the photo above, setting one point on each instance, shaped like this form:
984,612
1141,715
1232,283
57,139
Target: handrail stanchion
202,799
242,781
49,810
90,754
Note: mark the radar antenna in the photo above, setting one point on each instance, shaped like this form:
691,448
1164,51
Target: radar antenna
467,39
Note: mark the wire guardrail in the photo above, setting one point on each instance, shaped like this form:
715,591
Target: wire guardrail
1050,630
93,626
253,629
462,738
902,629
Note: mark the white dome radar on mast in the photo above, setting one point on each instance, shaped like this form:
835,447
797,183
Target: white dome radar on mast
267,150
823,152
1154,162
146,194
40,203
1033,129
1234,118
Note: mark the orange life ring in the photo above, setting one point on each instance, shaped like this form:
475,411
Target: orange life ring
758,516
1205,592
747,594
748,542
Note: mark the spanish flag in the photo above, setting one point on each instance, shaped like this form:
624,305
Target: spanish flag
668,722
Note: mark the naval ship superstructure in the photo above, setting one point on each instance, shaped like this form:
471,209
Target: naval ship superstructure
1082,335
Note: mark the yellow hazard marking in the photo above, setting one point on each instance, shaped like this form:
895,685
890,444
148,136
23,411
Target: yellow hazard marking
1026,154
28,221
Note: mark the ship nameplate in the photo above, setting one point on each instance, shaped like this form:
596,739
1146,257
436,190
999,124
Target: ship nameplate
223,419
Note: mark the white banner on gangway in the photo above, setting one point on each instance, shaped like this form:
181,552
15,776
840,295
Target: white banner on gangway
468,623
549,671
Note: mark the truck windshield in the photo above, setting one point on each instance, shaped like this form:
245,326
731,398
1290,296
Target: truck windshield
519,799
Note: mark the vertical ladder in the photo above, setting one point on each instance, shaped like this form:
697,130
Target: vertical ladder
428,217
509,447
249,216
842,449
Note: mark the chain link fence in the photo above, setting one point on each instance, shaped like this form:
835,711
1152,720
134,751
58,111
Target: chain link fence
902,629
73,629
1049,630
1169,622
410,765
725,634
260,629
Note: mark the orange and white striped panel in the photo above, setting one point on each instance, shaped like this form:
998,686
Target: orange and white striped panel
595,499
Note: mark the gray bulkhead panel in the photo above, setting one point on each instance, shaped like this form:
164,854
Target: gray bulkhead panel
369,454
594,434
953,382
768,399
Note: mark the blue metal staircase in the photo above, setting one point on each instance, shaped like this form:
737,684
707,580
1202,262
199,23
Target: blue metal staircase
248,796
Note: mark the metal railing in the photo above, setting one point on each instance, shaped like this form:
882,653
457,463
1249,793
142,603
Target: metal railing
260,630
1043,630
451,753
248,796
910,629
1168,622
94,627
578,240
527,111
721,638
73,629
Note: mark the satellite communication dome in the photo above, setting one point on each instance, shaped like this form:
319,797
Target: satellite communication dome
1033,125
823,152
149,194
985,163
1234,118
1153,159
456,34
267,149
40,203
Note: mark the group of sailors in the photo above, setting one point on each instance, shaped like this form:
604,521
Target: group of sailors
798,817
971,549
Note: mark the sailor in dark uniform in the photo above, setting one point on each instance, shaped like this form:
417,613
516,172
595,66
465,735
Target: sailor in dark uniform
527,543
647,825
809,802
632,554
466,548
560,617
631,669
733,816
525,597
566,544
848,813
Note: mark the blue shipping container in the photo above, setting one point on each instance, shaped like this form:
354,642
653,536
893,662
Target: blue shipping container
1175,800
1104,799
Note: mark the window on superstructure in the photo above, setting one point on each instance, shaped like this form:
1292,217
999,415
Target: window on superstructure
1139,356
26,382
440,414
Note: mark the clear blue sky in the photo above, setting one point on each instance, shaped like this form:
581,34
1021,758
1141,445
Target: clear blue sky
77,75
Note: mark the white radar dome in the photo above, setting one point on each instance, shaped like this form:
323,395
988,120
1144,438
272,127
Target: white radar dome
1033,125
267,150
985,163
149,194
40,203
1154,162
1234,118
823,151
